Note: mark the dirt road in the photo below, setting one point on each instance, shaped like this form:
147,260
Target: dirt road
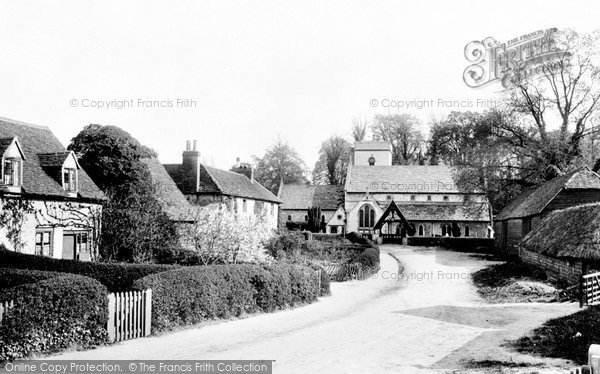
426,318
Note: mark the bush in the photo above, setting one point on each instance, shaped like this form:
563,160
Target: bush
358,239
287,245
15,277
195,294
66,311
369,258
116,277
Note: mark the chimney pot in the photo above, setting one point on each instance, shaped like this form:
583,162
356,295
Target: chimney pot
187,145
195,145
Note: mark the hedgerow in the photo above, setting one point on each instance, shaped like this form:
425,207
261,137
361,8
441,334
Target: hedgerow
195,294
66,311
15,277
116,277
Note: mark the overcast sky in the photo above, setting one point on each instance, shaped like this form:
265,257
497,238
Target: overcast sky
255,70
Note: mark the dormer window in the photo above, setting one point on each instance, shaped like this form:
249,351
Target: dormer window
70,180
12,163
11,175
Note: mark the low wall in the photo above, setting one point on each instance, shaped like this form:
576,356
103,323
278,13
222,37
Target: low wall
457,244
556,269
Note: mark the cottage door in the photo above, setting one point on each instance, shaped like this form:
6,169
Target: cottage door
68,251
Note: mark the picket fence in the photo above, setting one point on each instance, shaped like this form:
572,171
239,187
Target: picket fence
129,315
4,306
590,289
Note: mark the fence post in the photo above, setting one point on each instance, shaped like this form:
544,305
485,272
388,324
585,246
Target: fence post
110,324
148,316
581,296
319,282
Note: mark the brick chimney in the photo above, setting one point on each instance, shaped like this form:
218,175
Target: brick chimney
191,162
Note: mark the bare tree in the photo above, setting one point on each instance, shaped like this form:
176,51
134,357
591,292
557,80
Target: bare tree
359,129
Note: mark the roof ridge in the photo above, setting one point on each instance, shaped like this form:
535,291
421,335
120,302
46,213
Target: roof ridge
16,122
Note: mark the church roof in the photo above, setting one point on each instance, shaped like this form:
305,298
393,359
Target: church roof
302,196
400,179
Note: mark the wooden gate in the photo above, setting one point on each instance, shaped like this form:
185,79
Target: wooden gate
590,289
129,315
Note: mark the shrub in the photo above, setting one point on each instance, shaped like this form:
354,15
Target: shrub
287,245
195,294
369,258
357,238
116,277
65,311
15,277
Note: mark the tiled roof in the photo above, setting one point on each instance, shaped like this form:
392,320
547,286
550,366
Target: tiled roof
219,181
36,140
174,203
400,179
372,146
53,159
5,143
533,200
477,212
302,196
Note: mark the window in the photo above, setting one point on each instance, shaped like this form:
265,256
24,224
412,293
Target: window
289,217
12,172
272,209
467,230
333,229
421,230
43,245
244,206
428,197
371,160
70,180
446,230
446,198
366,216
323,218
306,218
412,197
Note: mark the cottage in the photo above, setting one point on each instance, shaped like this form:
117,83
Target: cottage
203,185
297,198
396,201
566,243
518,218
59,206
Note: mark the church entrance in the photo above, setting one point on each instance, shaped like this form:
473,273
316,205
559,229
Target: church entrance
392,226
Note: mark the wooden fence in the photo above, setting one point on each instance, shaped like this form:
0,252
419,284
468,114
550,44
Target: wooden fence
4,306
129,315
589,289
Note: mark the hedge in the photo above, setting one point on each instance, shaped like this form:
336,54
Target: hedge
195,294
15,277
66,311
116,277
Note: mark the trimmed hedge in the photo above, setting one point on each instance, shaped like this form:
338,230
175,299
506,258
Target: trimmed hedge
369,258
66,311
191,295
472,244
15,277
116,277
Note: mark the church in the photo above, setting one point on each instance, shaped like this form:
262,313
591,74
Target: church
391,202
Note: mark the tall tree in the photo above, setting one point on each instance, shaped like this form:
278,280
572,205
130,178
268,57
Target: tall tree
280,163
134,226
556,102
359,129
402,131
332,165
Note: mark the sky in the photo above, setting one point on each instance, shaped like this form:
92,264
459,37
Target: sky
236,75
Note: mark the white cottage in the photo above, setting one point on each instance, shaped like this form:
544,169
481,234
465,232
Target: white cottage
49,205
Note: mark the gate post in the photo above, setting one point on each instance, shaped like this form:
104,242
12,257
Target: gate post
110,324
148,312
581,296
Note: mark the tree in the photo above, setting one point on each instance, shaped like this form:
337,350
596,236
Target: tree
280,163
134,226
332,165
401,130
359,129
555,103
220,236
